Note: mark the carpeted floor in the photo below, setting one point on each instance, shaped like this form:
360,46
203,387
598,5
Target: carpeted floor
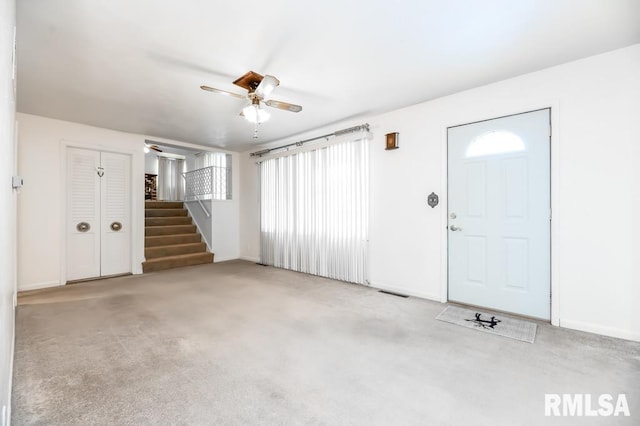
238,343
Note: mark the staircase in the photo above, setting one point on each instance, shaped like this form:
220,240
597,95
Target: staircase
171,240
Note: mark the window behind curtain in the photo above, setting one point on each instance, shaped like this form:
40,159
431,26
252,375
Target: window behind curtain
221,170
170,182
314,211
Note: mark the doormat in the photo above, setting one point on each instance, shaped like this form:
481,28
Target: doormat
490,323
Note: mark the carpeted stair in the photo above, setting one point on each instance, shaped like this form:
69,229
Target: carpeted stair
171,240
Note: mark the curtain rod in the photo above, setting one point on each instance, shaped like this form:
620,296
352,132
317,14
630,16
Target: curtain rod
354,129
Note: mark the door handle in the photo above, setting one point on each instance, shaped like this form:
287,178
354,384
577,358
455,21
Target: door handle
455,228
83,227
116,226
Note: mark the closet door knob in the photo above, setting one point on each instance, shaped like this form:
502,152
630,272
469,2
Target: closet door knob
83,227
116,226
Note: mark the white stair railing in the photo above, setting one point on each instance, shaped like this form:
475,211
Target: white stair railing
199,186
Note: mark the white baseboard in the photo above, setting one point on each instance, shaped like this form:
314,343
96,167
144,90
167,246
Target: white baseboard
600,329
12,352
137,268
401,290
37,286
217,259
250,259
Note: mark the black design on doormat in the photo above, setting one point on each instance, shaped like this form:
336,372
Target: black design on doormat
479,322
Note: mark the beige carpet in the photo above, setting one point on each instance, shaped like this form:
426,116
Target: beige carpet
237,343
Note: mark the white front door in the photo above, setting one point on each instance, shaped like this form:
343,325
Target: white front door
98,214
499,213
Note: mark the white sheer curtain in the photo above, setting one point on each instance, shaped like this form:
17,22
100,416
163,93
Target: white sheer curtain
170,181
314,211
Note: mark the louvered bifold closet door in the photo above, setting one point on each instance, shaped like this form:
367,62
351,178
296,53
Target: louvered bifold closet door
98,214
115,214
83,214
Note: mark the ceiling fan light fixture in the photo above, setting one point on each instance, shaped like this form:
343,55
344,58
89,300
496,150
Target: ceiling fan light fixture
266,86
254,113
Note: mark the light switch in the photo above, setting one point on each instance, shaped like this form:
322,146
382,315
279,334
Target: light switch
17,182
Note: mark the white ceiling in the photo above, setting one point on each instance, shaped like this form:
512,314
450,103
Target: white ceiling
137,65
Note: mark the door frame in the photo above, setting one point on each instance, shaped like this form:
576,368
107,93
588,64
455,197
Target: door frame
137,209
553,106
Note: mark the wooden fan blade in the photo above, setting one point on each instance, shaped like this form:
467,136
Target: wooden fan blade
222,92
266,86
283,105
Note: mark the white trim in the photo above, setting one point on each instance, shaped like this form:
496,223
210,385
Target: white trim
11,359
191,215
170,155
225,259
555,209
38,286
444,221
403,290
554,106
601,330
250,259
136,201
178,144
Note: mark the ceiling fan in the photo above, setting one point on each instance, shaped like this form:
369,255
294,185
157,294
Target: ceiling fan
148,146
258,90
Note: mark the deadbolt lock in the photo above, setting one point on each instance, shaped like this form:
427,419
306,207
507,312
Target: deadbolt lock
433,199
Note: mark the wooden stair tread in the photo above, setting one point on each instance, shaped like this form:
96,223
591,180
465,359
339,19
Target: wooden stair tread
167,220
163,204
174,249
171,239
167,226
179,256
165,236
165,212
176,261
164,240
178,245
169,229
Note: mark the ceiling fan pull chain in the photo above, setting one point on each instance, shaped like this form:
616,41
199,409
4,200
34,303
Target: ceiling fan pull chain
255,131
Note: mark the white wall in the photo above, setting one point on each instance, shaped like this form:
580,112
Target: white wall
249,216
7,205
596,105
225,215
151,163
40,207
